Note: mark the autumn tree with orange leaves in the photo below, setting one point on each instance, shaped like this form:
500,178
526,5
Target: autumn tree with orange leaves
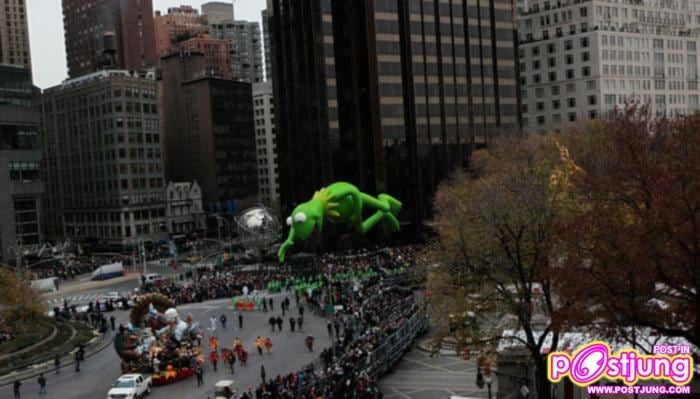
631,252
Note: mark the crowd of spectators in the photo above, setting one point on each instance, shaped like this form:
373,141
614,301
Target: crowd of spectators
372,312
215,285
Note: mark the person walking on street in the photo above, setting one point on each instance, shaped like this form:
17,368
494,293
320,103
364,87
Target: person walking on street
272,322
259,343
15,388
212,321
57,363
279,323
232,360
329,327
268,345
300,322
223,319
77,360
112,321
262,373
292,322
264,303
200,376
42,384
310,343
283,309
214,359
301,310
240,320
272,305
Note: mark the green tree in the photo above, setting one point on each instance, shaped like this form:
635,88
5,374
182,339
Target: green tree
491,264
19,302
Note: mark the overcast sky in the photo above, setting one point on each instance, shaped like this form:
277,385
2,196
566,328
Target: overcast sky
46,33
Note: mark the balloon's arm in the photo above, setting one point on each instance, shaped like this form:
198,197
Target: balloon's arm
286,245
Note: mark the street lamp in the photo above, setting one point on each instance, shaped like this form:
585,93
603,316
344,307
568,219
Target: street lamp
141,248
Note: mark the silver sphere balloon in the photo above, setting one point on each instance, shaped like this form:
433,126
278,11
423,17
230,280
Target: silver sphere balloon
258,227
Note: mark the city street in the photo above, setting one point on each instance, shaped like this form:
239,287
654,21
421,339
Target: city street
288,354
418,376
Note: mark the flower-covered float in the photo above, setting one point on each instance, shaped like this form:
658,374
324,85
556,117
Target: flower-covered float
158,342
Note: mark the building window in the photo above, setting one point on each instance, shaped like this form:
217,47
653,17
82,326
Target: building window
590,85
584,42
591,100
541,120
586,71
583,11
570,87
551,48
569,59
552,62
572,116
570,74
535,51
571,102
585,56
556,104
568,45
555,90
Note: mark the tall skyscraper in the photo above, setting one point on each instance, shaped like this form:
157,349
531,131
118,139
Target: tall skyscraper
266,44
108,34
179,24
581,60
391,95
102,158
22,189
218,11
14,34
245,46
266,144
208,131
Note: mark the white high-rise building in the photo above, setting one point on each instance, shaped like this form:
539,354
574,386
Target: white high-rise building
266,144
583,59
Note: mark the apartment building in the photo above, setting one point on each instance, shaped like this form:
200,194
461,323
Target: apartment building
100,139
584,59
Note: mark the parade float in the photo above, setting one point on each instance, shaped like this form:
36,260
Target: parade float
158,342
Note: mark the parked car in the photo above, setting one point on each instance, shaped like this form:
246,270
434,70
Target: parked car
154,279
130,386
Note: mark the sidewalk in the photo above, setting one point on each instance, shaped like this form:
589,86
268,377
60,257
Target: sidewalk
93,347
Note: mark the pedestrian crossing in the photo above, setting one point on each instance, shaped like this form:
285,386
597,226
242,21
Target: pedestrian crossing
75,299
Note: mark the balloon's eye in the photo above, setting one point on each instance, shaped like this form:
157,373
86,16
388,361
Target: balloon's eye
300,217
289,221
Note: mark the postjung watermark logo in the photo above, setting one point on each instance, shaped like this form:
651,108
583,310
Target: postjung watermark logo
595,360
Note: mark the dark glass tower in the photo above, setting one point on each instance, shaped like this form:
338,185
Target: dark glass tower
390,95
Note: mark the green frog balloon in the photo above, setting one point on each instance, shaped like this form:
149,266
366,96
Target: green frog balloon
340,202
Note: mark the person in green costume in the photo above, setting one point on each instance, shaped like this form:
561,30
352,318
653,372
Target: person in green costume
340,202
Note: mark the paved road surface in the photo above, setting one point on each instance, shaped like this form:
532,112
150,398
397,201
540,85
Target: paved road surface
288,354
418,376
